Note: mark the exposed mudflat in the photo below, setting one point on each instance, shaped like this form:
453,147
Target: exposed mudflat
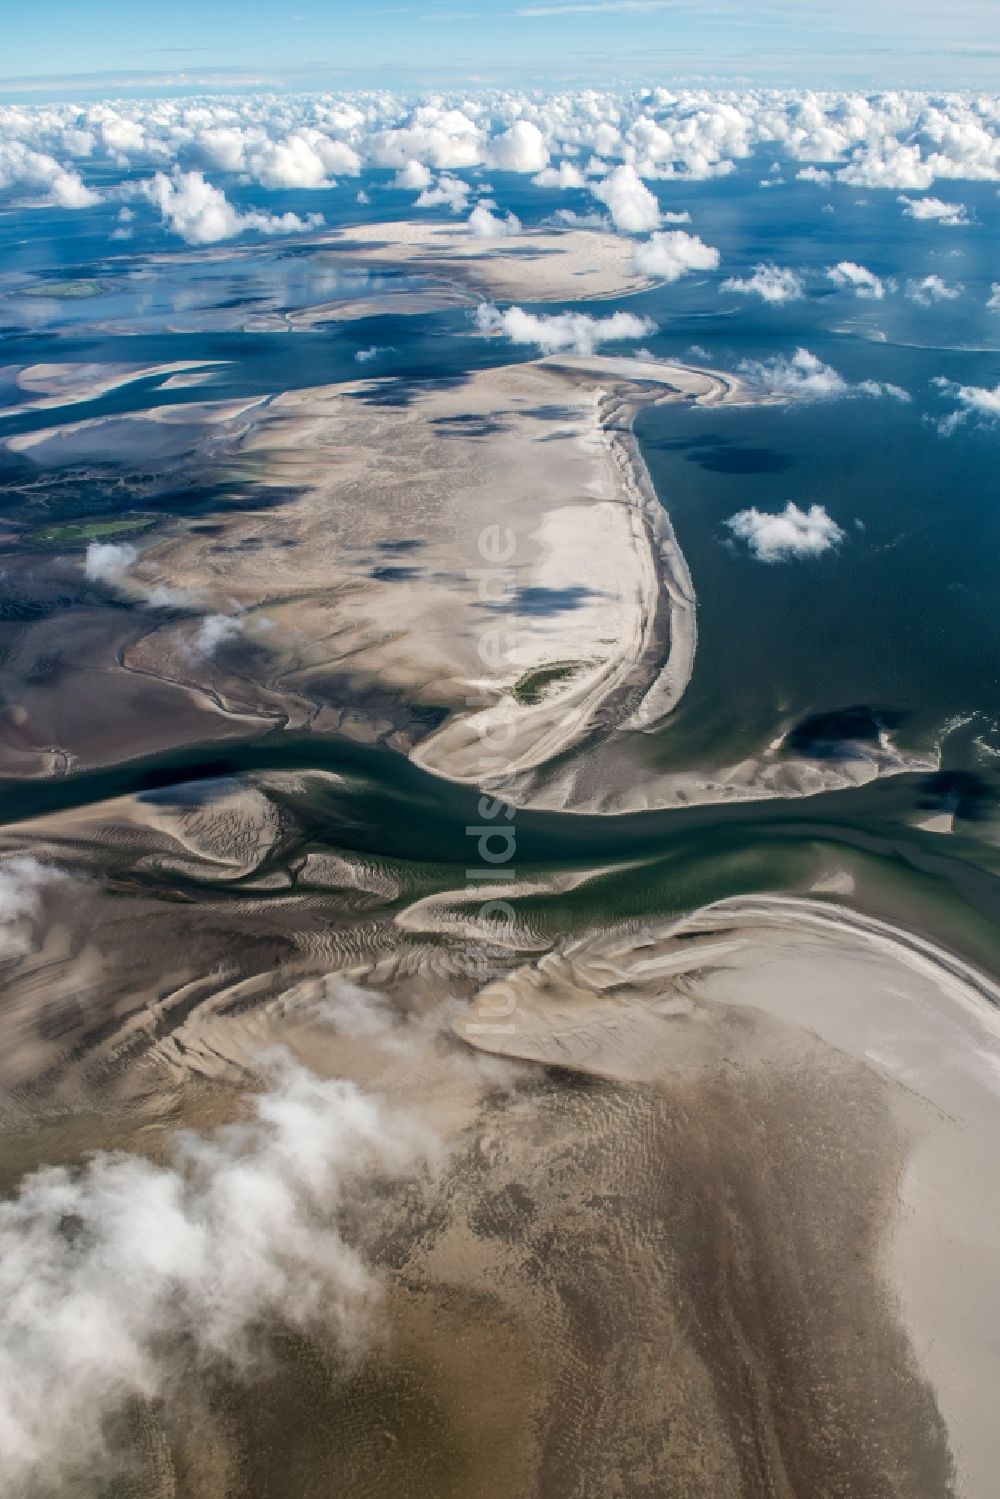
683,1225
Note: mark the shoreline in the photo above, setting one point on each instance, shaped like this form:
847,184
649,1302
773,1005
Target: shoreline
639,687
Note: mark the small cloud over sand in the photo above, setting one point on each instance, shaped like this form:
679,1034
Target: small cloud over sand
672,254
216,630
109,561
486,225
21,883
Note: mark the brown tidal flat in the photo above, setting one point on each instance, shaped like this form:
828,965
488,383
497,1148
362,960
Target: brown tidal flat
681,1232
614,1289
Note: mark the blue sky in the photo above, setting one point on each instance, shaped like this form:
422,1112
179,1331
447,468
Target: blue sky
870,43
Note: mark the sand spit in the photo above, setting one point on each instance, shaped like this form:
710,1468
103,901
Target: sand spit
140,438
53,385
368,598
648,382
614,779
640,683
937,822
535,265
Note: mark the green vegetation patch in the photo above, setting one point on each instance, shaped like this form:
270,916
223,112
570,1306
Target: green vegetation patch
78,531
66,291
531,688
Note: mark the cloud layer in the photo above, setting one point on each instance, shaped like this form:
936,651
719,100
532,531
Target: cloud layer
618,143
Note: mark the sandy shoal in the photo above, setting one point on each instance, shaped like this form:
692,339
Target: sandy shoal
922,1020
374,590
535,265
70,384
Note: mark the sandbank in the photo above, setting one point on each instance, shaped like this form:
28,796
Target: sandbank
638,1005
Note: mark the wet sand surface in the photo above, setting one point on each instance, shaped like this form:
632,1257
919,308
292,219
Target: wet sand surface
627,1290
686,1229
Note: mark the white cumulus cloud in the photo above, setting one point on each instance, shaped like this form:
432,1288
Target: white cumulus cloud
772,283
932,289
447,192
306,159
791,533
522,148
109,561
888,164
414,176
978,404
857,278
441,136
672,254
576,332
952,214
804,376
485,225
565,175
814,174
24,169
202,214
629,201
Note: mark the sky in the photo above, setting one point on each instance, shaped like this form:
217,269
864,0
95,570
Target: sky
49,45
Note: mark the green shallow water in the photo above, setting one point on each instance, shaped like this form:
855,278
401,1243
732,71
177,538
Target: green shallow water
385,808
